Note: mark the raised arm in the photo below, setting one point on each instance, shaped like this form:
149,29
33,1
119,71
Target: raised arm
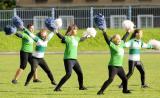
19,35
50,36
61,37
30,34
147,46
106,37
125,36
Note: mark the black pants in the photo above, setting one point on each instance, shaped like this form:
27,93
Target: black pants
113,70
69,65
139,66
43,65
24,58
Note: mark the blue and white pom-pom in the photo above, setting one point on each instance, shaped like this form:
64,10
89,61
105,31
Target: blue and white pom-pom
10,30
90,32
128,25
155,44
100,22
17,21
52,24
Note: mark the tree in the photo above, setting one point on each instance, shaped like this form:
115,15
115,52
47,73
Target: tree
7,4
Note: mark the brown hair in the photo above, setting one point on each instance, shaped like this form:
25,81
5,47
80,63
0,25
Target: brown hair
41,31
70,29
134,33
29,25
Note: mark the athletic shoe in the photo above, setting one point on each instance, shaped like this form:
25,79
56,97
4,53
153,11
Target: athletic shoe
120,86
53,83
100,93
14,81
127,92
82,88
57,90
37,81
144,86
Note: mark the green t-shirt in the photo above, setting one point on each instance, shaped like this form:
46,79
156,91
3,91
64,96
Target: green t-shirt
117,53
27,43
71,47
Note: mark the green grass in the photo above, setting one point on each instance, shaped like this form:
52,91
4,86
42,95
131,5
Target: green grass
12,43
95,73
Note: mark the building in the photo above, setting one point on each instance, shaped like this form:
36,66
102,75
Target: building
60,3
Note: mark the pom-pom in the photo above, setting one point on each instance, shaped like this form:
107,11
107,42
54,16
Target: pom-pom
100,21
10,30
17,21
90,32
128,25
155,44
49,22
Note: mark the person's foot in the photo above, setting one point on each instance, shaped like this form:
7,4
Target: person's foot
57,90
100,93
14,81
82,88
120,86
53,83
37,81
127,92
144,86
26,84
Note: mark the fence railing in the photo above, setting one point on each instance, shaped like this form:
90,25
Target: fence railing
143,17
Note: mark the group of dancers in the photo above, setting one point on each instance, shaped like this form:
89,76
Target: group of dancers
116,44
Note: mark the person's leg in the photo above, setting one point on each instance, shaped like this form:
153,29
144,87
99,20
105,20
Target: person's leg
23,64
35,77
112,73
142,72
34,64
78,70
131,67
45,67
123,77
68,68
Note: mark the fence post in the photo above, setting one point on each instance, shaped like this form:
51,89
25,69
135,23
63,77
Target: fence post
14,12
53,13
91,17
130,12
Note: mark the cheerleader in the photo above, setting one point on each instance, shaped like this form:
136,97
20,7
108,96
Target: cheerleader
41,40
116,45
71,41
25,54
135,44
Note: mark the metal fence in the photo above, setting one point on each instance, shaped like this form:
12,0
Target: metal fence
143,16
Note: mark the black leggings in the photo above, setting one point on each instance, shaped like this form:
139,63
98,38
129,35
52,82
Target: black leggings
113,70
69,65
139,66
43,65
24,58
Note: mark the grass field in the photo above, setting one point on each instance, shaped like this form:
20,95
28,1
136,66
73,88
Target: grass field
12,43
95,73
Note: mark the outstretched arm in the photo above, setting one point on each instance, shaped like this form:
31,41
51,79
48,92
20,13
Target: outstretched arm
106,37
83,39
19,35
125,36
147,46
50,35
30,34
61,37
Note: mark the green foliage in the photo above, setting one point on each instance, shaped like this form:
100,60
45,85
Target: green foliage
7,4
